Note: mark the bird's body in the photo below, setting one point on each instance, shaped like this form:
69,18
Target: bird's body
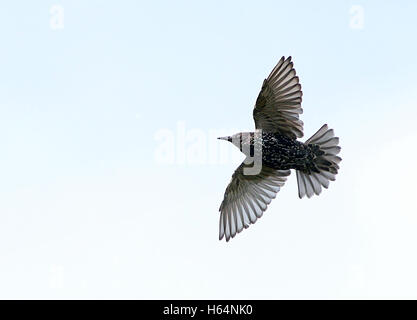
282,153
274,145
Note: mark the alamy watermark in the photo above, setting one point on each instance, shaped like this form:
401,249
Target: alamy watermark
356,17
56,276
56,20
191,146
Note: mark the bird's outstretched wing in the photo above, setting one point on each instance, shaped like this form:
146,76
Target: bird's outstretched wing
278,106
247,197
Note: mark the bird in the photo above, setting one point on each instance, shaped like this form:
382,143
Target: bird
272,151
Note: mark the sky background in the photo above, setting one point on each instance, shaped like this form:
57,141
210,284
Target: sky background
92,93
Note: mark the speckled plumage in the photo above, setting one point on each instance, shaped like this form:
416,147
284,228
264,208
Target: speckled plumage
282,153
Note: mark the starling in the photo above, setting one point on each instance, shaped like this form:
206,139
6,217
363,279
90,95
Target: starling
274,144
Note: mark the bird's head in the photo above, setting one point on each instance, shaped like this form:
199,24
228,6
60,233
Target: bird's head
240,139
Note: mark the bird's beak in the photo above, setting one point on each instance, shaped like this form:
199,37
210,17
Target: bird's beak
225,138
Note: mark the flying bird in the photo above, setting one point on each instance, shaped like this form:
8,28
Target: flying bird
274,143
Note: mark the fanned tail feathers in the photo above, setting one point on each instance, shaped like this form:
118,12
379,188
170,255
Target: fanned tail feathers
326,163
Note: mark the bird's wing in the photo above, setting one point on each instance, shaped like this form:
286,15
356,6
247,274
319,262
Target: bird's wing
278,106
247,197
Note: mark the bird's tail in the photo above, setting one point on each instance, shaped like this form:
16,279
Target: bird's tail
325,163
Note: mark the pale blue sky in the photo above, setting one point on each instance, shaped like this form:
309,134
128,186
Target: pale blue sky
86,211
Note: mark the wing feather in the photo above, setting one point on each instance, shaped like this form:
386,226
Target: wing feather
247,197
278,105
